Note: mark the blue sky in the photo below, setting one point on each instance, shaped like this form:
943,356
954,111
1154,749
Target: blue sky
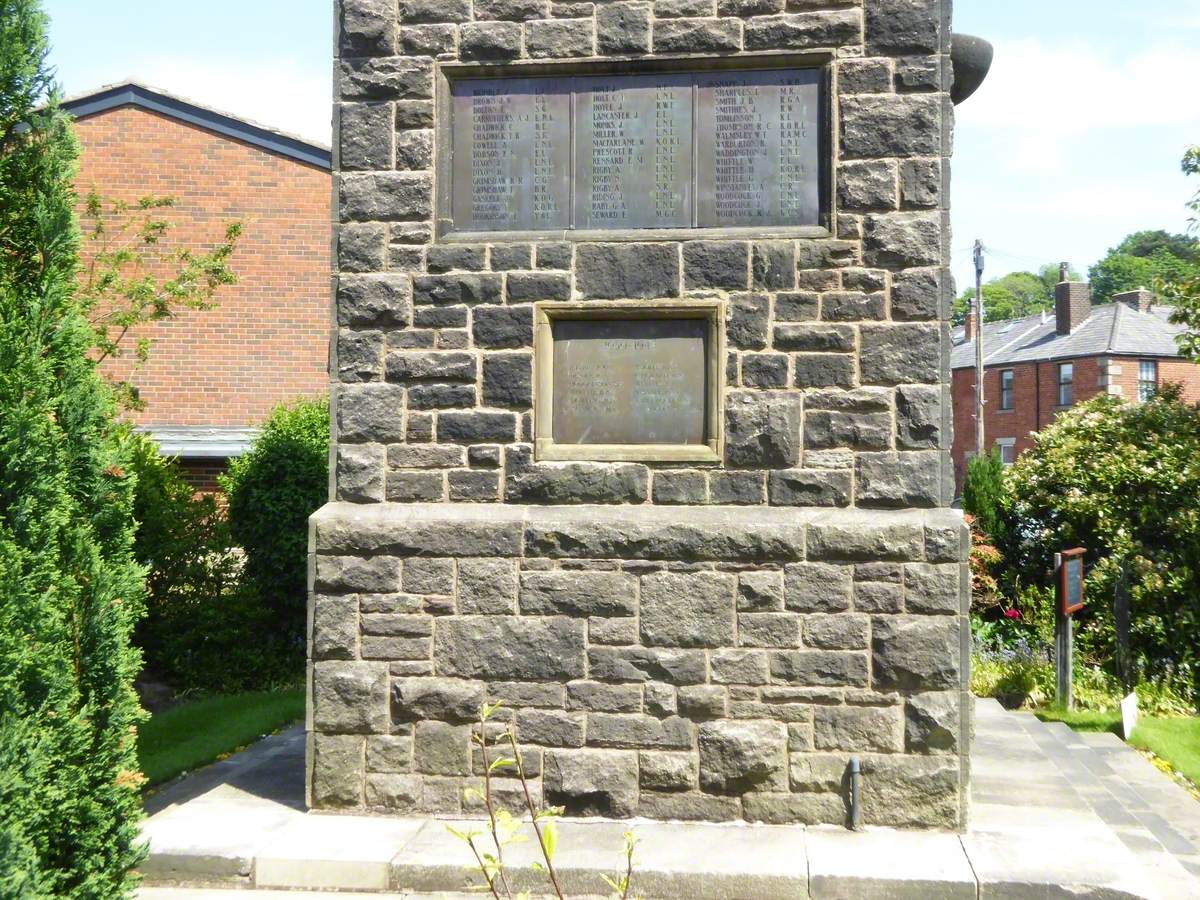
1073,142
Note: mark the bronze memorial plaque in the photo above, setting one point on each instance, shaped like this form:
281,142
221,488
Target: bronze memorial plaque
633,152
512,151
630,381
757,161
605,152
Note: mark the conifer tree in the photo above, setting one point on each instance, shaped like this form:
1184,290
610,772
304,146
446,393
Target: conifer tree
70,591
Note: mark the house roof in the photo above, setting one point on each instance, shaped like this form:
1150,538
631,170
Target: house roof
1112,329
133,93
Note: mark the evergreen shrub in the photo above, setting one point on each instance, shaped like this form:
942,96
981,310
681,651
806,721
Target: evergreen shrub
70,589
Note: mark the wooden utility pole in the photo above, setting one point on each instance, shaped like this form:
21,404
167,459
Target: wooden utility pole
978,313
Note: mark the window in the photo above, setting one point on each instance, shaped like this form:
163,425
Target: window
1008,450
1006,389
1147,379
1066,384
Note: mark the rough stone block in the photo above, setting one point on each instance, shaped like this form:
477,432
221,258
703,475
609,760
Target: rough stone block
819,667
335,627
739,667
440,748
816,337
443,699
591,782
349,697
890,126
760,591
699,702
487,586
934,588
337,775
824,370
646,664
915,653
858,729
808,487
623,28
389,753
817,587
902,26
902,240
688,610
932,722
550,727
664,771
559,38
804,31
424,575
526,482
352,574
837,632
496,41
596,696
502,327
697,35
359,472
570,593
769,630
765,370
619,271
632,730
737,757
687,488
370,413
906,479
716,264
510,648
762,429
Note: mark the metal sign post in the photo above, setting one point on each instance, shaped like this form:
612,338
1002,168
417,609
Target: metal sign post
1068,570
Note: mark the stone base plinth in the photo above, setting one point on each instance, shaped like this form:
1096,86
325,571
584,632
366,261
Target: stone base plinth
705,663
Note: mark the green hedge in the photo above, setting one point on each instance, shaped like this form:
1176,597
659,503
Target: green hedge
272,491
70,590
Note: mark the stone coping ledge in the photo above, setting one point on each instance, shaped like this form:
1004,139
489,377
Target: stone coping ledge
708,533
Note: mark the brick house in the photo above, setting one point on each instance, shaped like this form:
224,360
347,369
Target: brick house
1039,365
214,374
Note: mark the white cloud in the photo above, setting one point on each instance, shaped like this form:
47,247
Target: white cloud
1042,100
278,93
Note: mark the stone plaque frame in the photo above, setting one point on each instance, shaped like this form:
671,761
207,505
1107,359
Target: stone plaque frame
449,73
546,314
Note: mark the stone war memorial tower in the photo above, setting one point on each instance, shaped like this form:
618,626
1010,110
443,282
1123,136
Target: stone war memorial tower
640,408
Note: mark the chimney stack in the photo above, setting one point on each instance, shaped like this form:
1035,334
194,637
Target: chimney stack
1072,301
969,324
1141,300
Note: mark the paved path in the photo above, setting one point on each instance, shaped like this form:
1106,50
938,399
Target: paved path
1054,814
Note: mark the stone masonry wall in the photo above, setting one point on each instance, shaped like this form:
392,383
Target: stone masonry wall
717,661
838,347
722,668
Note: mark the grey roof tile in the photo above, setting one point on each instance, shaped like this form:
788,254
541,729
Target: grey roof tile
1111,329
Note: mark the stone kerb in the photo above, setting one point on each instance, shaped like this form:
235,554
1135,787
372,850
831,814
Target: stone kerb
706,640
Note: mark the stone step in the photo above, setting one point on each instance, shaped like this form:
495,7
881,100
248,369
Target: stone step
1147,810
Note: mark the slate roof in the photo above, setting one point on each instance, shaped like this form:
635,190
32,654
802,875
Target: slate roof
133,93
1113,329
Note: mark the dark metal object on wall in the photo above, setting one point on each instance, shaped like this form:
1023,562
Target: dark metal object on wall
667,150
972,58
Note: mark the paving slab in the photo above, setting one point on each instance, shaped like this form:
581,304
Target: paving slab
881,864
334,852
696,859
1054,814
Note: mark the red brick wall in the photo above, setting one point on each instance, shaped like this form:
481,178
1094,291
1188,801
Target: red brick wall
202,474
1035,402
1176,371
267,340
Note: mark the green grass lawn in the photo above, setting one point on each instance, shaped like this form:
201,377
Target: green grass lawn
194,734
1175,740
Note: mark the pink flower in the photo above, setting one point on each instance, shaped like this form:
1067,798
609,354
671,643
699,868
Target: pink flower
1012,613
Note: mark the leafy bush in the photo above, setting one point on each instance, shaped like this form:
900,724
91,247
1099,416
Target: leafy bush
272,491
1122,480
205,629
983,494
70,590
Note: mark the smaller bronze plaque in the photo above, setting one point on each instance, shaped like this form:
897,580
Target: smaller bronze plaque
630,381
